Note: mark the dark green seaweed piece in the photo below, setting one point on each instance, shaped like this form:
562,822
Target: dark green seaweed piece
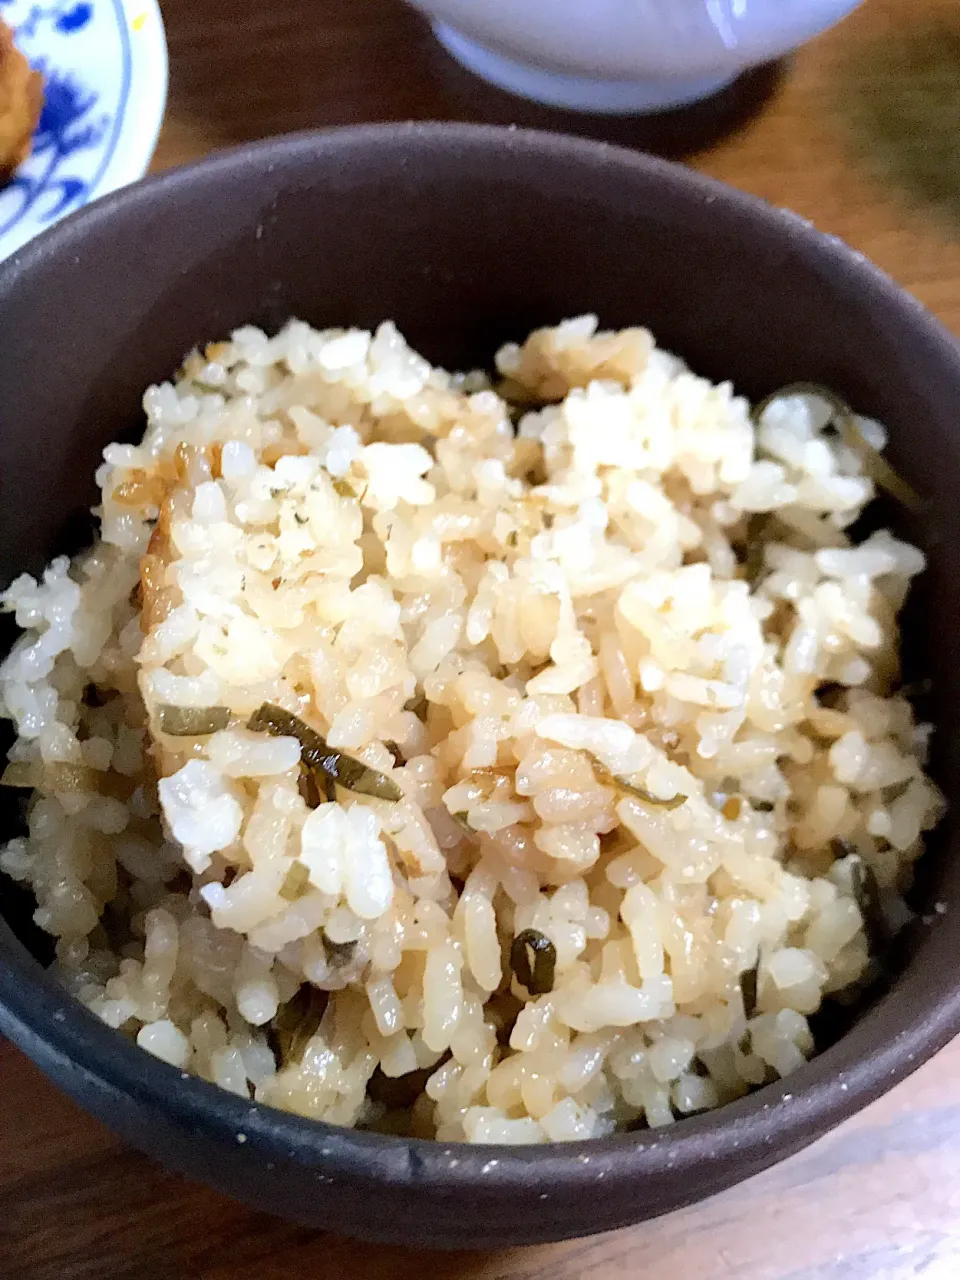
842,417
308,788
94,696
830,694
754,546
501,1013
638,793
338,953
749,981
866,893
335,766
533,958
461,820
296,1023
191,722
398,1093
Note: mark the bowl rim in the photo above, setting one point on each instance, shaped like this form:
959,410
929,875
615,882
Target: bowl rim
67,1040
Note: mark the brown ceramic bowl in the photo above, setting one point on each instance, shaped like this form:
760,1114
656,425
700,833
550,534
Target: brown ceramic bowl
468,237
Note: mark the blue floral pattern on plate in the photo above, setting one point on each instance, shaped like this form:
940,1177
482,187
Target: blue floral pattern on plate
84,50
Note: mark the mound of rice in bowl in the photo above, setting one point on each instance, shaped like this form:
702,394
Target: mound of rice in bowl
503,761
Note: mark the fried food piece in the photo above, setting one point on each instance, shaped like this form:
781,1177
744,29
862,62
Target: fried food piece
21,99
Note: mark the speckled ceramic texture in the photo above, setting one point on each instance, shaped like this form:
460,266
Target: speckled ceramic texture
468,237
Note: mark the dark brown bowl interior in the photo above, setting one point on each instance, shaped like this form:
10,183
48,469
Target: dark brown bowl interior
467,237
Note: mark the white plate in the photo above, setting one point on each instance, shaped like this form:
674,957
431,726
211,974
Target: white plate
104,64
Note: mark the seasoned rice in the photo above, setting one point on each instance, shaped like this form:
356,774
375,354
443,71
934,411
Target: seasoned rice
629,674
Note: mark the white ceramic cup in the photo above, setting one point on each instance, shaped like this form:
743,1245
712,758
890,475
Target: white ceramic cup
622,56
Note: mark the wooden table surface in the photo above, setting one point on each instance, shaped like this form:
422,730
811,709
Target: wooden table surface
861,135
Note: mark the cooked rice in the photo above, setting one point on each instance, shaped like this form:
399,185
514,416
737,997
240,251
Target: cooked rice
552,631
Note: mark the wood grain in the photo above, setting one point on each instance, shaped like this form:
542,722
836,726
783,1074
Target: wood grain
860,135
